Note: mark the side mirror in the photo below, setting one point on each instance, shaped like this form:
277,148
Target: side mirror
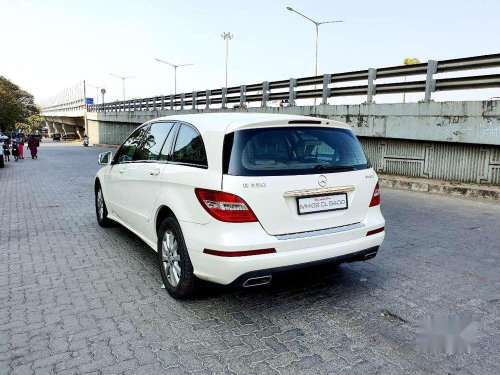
105,158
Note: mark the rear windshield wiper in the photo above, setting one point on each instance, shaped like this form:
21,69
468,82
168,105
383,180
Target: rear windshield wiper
334,168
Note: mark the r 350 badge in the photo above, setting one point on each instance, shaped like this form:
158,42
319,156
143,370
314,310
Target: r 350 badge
254,185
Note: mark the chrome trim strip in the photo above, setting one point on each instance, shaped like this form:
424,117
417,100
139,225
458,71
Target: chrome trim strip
319,191
320,232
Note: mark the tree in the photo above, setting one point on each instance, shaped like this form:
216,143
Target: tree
31,124
16,105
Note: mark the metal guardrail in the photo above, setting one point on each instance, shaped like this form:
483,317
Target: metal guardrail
289,89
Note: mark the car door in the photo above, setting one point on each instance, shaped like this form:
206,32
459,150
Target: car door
142,179
114,193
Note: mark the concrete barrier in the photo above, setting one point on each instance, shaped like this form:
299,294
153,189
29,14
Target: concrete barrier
452,141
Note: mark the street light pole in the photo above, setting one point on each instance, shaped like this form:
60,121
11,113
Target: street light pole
175,72
317,25
316,59
123,82
227,37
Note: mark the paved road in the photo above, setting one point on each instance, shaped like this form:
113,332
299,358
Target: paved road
76,298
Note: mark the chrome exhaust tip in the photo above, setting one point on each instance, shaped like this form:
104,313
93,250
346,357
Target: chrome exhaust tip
257,281
370,255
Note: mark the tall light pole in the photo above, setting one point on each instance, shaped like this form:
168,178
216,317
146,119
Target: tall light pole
123,82
317,25
227,37
175,72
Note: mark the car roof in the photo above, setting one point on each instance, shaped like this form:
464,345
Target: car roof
229,122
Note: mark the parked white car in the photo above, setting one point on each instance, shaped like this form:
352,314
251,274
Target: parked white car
235,198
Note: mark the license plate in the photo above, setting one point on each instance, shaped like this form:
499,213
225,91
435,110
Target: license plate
322,203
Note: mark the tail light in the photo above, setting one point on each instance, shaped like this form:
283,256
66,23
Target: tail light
375,231
225,206
375,197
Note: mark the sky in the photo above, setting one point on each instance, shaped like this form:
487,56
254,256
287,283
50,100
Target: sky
49,45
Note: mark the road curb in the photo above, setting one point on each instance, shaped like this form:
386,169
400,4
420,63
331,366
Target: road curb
472,191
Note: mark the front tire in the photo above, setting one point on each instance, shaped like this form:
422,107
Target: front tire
100,208
175,266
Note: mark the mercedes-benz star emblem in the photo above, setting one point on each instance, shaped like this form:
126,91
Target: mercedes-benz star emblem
322,180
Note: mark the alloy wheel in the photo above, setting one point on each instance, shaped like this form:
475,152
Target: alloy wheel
100,204
171,258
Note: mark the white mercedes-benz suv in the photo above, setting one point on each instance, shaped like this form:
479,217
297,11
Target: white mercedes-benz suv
235,198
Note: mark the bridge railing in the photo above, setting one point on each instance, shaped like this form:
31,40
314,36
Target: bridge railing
72,99
300,88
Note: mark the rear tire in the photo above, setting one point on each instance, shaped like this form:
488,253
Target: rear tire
100,208
2,161
175,265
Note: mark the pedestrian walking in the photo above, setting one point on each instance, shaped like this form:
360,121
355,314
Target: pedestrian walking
21,148
33,146
6,150
15,151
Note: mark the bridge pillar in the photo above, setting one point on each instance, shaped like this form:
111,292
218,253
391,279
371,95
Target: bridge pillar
183,100
243,96
326,89
207,97
430,82
194,101
291,91
265,93
58,128
49,127
224,97
372,75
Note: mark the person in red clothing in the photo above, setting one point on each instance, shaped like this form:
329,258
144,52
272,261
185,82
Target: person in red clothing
33,146
21,148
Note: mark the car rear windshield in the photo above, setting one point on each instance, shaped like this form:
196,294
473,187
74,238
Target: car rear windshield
279,151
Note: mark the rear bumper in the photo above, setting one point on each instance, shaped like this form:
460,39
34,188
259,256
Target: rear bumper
346,258
340,246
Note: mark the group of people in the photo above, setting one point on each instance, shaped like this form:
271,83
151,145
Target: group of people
16,149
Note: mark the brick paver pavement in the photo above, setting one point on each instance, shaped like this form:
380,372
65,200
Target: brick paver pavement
76,298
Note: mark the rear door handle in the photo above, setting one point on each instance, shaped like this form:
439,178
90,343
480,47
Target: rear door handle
154,171
121,170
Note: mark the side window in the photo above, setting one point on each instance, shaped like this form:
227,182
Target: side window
189,147
128,150
153,141
167,146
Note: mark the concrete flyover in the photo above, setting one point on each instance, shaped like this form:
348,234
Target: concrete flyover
65,125
65,112
455,141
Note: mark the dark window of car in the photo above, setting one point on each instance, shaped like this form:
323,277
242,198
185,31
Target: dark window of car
153,141
127,152
189,148
292,151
